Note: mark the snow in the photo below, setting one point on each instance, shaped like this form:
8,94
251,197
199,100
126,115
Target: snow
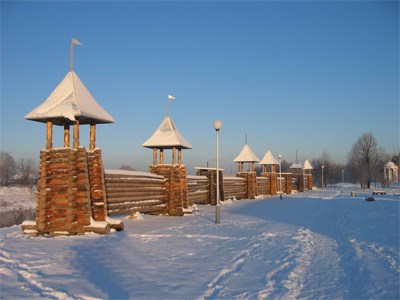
138,174
167,136
70,99
314,245
246,155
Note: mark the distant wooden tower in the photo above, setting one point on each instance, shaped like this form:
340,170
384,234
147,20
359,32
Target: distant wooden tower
308,174
167,136
247,156
268,164
71,190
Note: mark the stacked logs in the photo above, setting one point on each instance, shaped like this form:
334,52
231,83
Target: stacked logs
130,191
251,183
64,199
198,190
97,185
262,186
235,187
176,187
272,186
211,174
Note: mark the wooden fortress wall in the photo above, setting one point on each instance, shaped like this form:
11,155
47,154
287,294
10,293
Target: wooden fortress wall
145,192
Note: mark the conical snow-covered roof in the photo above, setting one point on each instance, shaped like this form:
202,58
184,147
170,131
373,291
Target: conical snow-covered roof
269,159
307,165
69,101
246,155
167,136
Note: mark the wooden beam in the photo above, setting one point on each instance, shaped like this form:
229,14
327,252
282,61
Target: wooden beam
154,156
179,156
76,134
66,136
173,155
92,144
49,135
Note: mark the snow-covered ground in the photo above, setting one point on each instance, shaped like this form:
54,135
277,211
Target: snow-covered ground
314,245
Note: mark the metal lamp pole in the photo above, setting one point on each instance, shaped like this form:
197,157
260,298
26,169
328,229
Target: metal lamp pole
217,126
322,179
280,176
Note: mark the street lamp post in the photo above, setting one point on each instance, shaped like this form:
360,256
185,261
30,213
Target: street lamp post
322,177
280,176
342,178
217,126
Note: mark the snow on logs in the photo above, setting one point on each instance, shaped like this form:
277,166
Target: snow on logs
131,191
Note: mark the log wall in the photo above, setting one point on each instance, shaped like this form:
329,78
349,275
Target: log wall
235,187
262,186
198,190
130,191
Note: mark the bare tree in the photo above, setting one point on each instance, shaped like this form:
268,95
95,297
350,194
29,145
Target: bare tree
127,168
7,168
26,171
365,159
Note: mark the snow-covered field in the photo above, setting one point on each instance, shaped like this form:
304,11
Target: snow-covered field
314,245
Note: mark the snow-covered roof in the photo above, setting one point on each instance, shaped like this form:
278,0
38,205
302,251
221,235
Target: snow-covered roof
296,166
307,165
69,101
269,159
167,136
246,155
390,165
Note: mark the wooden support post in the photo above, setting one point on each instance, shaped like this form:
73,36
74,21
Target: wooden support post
173,155
49,135
66,136
179,156
76,134
161,156
264,168
154,156
92,144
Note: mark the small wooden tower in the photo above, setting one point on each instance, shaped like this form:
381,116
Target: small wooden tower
247,156
71,190
167,136
270,173
308,174
268,160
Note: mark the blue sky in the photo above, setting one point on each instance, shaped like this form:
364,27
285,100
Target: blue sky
306,76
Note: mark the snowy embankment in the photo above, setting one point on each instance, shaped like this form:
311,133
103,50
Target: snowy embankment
319,244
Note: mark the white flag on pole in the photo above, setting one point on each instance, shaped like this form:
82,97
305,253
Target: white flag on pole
76,42
171,97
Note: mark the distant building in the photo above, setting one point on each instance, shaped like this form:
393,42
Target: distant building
390,172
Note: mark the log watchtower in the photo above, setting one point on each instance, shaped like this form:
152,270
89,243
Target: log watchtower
167,136
71,191
247,156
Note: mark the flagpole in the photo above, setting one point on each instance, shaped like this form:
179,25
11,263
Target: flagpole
71,62
168,100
